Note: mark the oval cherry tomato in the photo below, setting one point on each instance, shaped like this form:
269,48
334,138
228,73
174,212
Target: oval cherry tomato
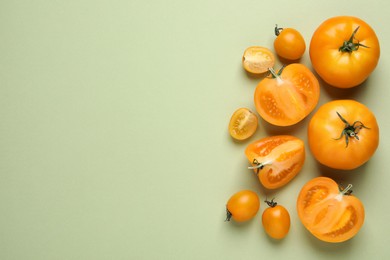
257,59
343,134
276,220
344,50
288,96
276,159
329,214
242,206
289,43
243,124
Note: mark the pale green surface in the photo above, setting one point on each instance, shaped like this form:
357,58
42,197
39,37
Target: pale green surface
113,134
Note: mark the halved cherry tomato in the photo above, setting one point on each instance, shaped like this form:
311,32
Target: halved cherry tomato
276,220
344,50
276,159
287,97
257,59
343,134
329,214
289,43
243,124
242,206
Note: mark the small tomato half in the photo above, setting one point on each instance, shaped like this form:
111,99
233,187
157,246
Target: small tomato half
329,214
344,50
276,159
288,96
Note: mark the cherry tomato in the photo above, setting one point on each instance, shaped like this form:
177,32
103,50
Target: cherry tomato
243,124
276,220
276,159
344,50
343,134
289,43
329,214
257,59
287,97
242,206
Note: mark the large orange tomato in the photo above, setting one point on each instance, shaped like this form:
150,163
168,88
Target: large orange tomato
343,134
344,50
287,97
276,159
330,214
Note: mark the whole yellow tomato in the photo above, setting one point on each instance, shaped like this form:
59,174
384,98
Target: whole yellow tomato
344,50
343,134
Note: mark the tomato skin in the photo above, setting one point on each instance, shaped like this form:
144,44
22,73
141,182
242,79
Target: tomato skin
327,213
242,206
289,44
276,159
243,124
288,98
257,59
344,69
276,221
325,127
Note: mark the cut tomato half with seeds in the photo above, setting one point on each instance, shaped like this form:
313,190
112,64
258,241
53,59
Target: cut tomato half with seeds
276,160
331,214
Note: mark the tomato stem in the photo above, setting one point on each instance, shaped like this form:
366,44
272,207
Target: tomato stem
258,165
347,190
277,30
276,74
350,46
271,203
228,215
350,130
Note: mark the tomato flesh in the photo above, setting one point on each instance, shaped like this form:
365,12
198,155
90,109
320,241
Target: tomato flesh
257,59
287,99
327,213
276,160
243,124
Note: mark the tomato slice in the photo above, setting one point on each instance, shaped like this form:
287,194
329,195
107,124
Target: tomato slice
276,159
243,124
257,59
288,96
329,214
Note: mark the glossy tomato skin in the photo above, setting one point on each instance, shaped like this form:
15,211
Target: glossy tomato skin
276,221
338,68
289,44
242,206
327,213
325,129
288,98
276,159
243,124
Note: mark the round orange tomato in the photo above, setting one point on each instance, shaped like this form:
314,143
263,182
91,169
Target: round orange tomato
243,124
329,214
242,206
276,159
287,97
344,50
343,134
257,59
289,43
276,220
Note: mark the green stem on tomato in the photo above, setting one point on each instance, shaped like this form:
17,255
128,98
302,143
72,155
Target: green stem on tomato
350,46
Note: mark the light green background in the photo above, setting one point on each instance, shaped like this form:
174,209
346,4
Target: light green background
113,130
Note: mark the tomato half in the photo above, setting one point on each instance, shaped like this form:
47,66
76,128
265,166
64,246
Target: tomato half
242,206
276,159
257,59
344,50
276,220
329,214
243,124
289,43
287,97
343,134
